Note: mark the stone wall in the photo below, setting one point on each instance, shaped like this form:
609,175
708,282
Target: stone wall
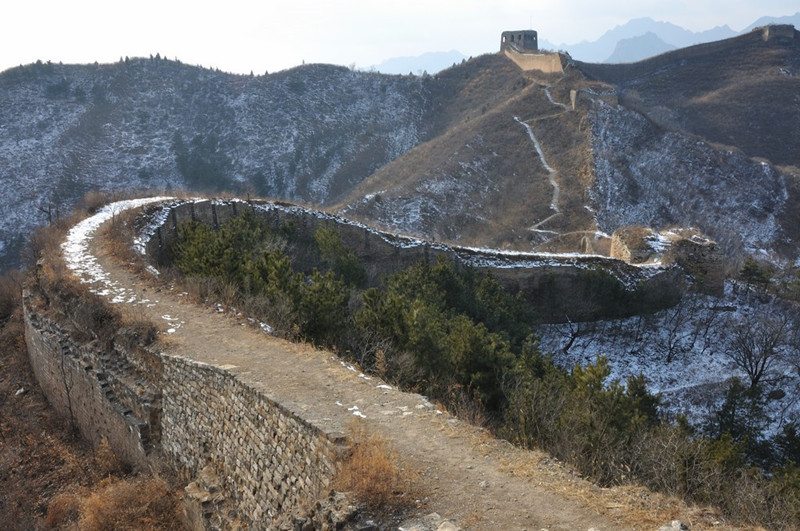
198,418
575,287
83,386
547,63
267,458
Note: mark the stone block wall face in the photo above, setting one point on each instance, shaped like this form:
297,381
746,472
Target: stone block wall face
267,458
547,63
150,406
78,389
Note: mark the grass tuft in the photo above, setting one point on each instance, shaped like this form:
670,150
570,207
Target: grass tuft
373,474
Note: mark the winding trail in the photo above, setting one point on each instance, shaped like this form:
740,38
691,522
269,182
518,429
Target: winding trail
552,175
554,102
470,477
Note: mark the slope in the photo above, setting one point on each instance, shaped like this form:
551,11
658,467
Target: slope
308,134
740,92
484,180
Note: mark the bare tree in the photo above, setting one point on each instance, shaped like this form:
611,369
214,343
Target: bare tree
573,331
756,344
677,330
705,326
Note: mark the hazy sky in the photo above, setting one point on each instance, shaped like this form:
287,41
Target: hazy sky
260,35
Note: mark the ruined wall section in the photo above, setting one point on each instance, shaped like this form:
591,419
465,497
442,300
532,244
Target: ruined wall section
152,408
83,388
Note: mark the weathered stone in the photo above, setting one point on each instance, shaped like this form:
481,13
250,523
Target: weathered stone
675,525
239,431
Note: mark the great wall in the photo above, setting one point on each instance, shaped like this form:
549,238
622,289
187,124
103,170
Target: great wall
256,425
522,48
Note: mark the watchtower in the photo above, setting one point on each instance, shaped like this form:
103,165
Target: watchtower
519,41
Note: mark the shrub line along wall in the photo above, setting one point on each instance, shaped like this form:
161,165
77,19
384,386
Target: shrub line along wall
559,287
204,420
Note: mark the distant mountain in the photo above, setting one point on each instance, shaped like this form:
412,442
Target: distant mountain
431,62
626,43
794,20
483,154
634,48
603,48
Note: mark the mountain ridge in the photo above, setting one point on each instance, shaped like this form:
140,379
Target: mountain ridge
602,49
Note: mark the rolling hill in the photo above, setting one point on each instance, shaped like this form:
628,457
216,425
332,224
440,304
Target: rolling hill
481,154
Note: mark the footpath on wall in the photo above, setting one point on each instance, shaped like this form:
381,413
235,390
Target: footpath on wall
470,477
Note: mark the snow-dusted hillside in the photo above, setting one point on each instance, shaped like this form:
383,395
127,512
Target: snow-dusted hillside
686,351
481,154
645,175
306,134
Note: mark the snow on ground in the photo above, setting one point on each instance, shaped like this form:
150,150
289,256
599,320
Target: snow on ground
694,336
84,265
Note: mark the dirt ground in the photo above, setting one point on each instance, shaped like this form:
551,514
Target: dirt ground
468,476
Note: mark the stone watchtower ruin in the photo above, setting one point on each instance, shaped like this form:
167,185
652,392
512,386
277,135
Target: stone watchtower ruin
519,41
522,47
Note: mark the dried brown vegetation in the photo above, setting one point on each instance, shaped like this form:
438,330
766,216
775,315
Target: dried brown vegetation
374,474
50,478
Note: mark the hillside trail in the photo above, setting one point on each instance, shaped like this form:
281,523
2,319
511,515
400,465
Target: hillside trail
468,476
551,172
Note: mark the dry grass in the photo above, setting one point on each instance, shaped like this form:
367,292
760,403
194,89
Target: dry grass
374,475
136,503
632,506
47,476
64,509
480,121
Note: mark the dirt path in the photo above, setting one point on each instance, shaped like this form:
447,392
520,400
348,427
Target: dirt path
475,480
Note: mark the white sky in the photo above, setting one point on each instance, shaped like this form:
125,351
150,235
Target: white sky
271,35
